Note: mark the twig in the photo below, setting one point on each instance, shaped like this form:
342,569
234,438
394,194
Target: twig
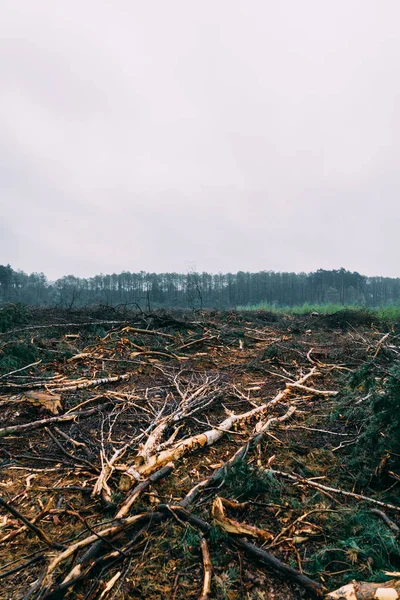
90,466
21,369
17,429
21,567
314,484
36,530
391,524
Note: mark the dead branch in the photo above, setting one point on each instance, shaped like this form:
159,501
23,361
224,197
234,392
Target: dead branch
391,524
18,429
104,533
212,436
320,486
21,567
36,530
260,555
70,439
207,566
67,387
312,391
139,489
315,588
239,455
107,468
76,459
65,325
380,344
191,402
110,585
34,364
148,332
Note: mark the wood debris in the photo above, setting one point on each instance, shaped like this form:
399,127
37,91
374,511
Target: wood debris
137,455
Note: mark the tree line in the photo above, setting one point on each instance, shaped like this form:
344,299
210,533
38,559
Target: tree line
200,290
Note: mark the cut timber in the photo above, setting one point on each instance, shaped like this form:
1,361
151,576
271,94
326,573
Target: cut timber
50,401
363,590
231,526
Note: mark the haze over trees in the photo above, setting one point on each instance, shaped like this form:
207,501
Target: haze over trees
200,290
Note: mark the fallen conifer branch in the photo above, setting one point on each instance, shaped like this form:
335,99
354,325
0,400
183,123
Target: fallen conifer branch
301,480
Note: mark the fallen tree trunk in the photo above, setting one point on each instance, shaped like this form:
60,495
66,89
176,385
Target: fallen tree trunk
239,455
364,590
210,437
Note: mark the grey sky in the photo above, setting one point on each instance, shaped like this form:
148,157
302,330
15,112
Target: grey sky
230,135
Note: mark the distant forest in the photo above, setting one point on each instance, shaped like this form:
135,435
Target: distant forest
200,290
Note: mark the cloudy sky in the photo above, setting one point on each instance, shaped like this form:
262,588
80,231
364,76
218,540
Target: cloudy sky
224,135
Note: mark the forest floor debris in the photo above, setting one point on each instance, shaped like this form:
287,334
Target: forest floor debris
198,455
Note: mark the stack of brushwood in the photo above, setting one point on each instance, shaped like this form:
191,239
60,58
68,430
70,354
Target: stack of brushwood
197,456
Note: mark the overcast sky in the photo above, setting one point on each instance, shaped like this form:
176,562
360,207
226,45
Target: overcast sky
223,135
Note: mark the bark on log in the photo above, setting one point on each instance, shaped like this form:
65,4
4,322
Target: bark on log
313,587
143,485
363,590
239,455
